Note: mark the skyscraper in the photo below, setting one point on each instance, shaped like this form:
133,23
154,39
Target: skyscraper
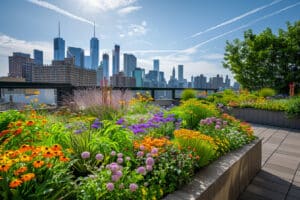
87,62
156,65
139,75
116,60
18,63
77,54
173,73
38,57
59,46
105,65
180,73
129,64
94,49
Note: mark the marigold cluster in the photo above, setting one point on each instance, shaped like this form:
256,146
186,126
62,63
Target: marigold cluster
150,143
190,134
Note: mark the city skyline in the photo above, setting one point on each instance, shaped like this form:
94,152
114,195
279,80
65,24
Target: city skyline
175,33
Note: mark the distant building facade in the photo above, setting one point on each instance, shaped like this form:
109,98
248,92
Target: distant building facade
18,63
139,75
156,65
105,65
64,72
129,64
120,80
116,60
94,51
77,54
38,57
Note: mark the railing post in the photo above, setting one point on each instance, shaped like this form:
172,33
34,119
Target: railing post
173,93
153,93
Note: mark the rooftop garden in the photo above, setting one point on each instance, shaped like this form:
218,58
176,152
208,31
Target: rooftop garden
119,148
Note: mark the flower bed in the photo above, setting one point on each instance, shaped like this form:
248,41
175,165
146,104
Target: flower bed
135,151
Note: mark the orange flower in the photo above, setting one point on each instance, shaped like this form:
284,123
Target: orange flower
4,167
15,183
56,147
19,123
27,177
49,165
38,163
4,132
18,131
29,123
64,159
20,171
25,158
48,154
25,148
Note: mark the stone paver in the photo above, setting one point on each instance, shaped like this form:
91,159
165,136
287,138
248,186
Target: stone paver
280,174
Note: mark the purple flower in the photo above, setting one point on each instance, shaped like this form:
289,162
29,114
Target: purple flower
140,154
95,126
149,168
110,186
119,173
133,187
115,178
120,155
120,121
142,147
150,161
120,160
114,167
113,153
217,127
127,158
141,170
154,151
99,156
225,123
78,131
85,155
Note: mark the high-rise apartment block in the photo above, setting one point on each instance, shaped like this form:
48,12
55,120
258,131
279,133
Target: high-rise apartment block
105,65
116,60
129,64
120,80
77,54
94,51
139,75
38,57
18,63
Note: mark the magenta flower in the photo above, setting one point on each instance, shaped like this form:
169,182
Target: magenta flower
150,161
85,155
141,170
140,154
120,160
110,186
154,150
114,167
217,127
99,156
127,158
113,153
115,178
133,187
149,168
120,155
142,147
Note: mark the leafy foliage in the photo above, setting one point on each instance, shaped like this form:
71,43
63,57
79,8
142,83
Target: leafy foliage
188,94
266,92
293,108
265,60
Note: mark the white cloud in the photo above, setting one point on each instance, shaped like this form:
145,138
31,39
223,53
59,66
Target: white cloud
213,56
107,5
54,8
129,9
8,45
122,35
230,21
137,29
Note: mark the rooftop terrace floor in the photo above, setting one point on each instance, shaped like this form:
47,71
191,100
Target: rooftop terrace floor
279,178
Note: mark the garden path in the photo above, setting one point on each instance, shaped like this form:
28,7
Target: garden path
279,178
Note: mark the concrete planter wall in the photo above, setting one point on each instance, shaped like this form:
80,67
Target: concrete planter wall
226,178
272,118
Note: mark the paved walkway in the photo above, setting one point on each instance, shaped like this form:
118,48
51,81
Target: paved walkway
280,174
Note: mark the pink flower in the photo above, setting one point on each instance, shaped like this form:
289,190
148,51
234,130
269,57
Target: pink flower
85,155
110,186
120,155
99,156
150,161
133,187
154,150
140,154
149,168
142,147
120,160
113,153
141,170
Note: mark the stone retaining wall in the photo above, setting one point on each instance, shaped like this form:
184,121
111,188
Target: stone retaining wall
225,178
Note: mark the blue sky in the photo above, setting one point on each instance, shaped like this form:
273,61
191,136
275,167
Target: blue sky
189,32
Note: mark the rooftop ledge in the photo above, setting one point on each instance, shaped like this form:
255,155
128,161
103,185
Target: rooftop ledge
225,178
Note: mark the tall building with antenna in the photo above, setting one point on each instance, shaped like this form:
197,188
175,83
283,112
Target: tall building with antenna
59,46
94,51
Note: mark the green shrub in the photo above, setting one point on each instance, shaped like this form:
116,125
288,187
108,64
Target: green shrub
266,92
293,107
188,94
9,116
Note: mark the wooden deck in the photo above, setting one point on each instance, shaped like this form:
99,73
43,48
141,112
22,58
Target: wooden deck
279,178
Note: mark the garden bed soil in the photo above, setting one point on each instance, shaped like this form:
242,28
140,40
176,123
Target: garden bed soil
266,117
225,178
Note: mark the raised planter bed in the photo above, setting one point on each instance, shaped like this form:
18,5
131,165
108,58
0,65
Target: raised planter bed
226,178
267,117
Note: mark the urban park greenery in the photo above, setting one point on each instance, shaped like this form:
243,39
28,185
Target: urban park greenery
141,152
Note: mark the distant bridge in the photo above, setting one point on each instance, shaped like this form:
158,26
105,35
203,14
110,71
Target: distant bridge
64,89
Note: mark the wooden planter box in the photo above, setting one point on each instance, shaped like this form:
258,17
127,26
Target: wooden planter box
225,178
267,117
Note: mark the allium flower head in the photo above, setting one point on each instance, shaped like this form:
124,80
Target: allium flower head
120,155
150,161
113,153
141,170
140,154
85,155
99,156
154,150
120,160
110,186
149,168
133,187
